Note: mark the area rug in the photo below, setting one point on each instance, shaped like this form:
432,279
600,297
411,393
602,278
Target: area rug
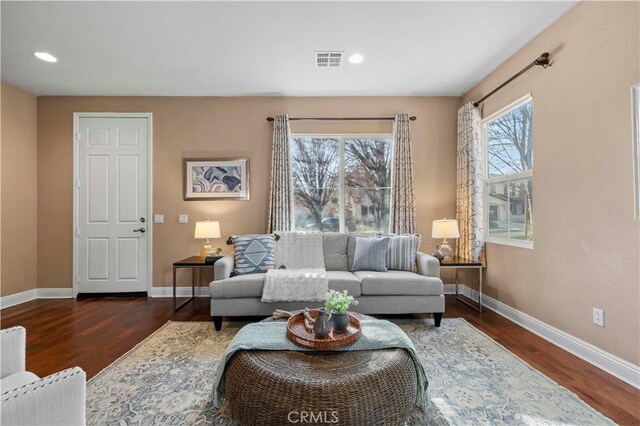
167,380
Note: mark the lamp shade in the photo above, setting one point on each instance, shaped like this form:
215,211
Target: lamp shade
445,228
207,229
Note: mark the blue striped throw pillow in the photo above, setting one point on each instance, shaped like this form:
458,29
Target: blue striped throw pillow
371,254
253,253
402,253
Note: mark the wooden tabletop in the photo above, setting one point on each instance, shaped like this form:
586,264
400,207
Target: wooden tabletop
460,261
194,261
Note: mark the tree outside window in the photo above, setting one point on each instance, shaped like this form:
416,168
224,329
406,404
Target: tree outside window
509,184
341,183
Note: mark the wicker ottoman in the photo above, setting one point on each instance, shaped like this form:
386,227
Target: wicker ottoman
346,388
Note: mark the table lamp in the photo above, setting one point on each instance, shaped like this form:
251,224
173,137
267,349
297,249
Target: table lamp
445,228
207,229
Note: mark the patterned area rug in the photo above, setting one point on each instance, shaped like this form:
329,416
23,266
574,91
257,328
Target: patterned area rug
167,380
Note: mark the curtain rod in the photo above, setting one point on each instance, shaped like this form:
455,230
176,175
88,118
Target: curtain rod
412,118
542,60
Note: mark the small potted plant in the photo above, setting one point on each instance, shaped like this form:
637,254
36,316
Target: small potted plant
338,302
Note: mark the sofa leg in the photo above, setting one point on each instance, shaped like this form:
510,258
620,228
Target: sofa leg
437,318
217,323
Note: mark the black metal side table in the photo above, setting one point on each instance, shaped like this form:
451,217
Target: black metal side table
193,263
458,263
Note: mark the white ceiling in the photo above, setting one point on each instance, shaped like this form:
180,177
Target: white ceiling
263,48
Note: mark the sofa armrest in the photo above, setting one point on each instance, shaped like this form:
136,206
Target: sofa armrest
428,265
222,268
13,343
58,399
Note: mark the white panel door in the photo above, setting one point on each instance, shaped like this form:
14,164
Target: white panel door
112,216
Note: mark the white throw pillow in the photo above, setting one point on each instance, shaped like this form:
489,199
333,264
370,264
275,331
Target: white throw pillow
299,250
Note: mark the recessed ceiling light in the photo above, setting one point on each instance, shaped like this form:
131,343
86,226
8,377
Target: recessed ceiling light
356,58
47,57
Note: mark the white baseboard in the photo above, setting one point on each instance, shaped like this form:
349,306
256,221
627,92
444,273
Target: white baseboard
18,298
55,293
33,294
67,293
616,366
180,292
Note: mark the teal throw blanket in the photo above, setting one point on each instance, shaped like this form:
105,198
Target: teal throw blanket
271,336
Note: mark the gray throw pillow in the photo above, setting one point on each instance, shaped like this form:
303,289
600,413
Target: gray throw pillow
334,247
371,254
253,253
351,245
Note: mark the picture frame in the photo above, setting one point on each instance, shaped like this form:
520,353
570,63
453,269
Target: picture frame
636,147
207,179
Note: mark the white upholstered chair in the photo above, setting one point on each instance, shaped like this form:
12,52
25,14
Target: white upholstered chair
58,399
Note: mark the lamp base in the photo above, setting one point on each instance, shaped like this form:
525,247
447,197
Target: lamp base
446,250
204,251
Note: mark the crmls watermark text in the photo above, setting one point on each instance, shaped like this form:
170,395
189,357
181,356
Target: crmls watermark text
313,417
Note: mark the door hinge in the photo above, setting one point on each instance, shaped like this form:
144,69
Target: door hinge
78,136
77,232
77,183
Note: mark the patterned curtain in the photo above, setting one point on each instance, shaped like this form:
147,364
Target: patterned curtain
402,217
470,185
281,189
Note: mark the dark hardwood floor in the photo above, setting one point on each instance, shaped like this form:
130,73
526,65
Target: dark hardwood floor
92,333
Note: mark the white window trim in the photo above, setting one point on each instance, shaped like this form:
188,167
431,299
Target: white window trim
341,137
509,242
502,178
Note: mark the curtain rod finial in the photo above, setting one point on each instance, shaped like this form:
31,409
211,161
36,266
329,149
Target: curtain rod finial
270,118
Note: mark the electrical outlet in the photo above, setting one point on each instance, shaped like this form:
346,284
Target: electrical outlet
158,218
183,218
598,317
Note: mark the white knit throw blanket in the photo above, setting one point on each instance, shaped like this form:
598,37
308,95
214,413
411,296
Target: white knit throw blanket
295,285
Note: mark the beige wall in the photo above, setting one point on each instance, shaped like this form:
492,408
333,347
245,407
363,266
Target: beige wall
19,191
225,127
587,243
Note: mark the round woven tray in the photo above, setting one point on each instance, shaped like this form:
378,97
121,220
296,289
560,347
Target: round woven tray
298,334
356,387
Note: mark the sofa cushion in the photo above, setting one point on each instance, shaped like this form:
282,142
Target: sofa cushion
402,252
17,380
334,247
344,280
249,285
398,283
253,253
371,254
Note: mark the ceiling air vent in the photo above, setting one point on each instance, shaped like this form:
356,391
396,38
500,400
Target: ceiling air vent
328,59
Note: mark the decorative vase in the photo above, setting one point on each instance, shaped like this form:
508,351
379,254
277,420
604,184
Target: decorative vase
322,326
340,321
438,254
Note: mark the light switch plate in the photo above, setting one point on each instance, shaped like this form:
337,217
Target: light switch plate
158,218
183,218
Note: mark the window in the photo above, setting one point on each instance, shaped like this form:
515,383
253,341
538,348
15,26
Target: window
342,183
509,184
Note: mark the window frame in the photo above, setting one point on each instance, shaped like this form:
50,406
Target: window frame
503,179
341,171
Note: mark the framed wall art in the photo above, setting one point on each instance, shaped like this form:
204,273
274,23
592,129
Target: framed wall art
216,179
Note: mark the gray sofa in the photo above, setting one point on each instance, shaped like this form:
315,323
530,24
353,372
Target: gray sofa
391,292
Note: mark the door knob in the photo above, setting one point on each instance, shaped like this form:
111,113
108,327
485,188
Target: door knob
142,230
